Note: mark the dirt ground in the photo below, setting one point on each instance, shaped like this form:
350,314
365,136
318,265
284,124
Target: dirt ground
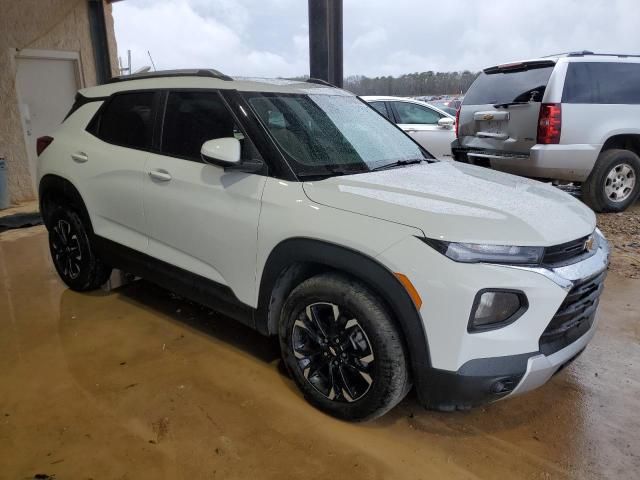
623,232
138,384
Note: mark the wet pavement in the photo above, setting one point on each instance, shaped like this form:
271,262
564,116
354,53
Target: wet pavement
138,384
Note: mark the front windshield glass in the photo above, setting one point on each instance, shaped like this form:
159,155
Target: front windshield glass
321,132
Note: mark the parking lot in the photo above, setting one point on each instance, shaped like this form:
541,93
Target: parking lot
137,383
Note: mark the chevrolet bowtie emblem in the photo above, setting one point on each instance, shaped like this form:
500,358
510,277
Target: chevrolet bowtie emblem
487,116
588,245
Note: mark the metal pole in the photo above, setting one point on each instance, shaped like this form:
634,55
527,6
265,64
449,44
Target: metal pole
325,41
98,32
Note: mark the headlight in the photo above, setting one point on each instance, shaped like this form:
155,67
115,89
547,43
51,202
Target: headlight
496,309
476,253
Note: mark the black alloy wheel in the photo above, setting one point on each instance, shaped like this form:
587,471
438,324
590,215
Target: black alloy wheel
333,352
73,254
65,249
343,348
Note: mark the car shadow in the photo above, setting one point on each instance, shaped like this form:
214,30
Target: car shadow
200,318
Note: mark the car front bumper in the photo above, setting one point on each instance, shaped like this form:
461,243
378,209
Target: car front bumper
505,362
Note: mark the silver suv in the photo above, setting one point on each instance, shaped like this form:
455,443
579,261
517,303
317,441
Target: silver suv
571,117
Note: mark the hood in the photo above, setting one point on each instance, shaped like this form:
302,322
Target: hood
461,203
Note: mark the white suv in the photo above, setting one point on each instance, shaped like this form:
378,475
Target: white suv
296,209
570,118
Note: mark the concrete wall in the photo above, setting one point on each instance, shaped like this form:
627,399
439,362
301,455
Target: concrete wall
39,24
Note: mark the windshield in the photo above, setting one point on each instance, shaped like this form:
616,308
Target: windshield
321,132
509,86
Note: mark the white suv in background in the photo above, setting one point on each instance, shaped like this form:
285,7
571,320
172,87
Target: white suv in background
429,126
570,118
296,209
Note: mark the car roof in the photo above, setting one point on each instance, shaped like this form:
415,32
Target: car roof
569,57
387,98
189,80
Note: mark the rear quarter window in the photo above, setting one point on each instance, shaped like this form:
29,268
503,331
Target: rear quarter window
509,86
602,82
126,120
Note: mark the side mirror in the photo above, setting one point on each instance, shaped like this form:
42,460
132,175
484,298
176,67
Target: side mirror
446,122
224,152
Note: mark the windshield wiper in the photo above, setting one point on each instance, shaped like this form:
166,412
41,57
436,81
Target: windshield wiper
398,163
328,171
508,104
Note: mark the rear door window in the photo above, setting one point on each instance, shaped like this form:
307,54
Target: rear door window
410,113
602,82
127,120
505,86
381,108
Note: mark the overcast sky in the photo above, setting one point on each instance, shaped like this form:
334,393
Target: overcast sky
381,37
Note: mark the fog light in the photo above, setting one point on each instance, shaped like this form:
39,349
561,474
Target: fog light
496,309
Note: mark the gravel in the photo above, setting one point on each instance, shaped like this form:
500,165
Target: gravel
623,232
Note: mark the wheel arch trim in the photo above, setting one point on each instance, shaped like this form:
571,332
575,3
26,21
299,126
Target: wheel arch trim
301,251
51,183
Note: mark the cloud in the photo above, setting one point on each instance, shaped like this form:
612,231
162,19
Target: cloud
199,33
270,37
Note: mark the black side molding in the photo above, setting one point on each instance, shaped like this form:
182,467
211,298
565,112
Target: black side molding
199,289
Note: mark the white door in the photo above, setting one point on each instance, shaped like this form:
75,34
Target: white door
421,122
46,90
201,218
109,166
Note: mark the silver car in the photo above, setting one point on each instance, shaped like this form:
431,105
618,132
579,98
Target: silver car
429,126
570,118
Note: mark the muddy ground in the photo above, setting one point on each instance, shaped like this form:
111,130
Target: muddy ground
138,384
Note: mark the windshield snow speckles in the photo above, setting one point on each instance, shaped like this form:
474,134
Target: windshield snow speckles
329,132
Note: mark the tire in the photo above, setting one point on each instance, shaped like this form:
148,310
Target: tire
366,372
616,173
73,255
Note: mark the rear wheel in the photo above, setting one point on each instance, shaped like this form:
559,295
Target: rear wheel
73,255
342,348
614,182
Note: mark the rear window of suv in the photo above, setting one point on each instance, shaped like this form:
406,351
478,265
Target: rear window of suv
495,86
602,82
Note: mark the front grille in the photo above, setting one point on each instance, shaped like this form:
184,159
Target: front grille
575,316
565,252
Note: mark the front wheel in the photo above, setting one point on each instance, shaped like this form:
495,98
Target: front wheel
73,255
342,348
614,182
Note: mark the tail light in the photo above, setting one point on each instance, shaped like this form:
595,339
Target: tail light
42,143
457,120
550,123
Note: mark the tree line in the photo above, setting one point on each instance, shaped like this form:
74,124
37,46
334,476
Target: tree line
412,84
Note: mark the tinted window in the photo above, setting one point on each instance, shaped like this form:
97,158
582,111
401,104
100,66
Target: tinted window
380,107
510,86
127,120
192,118
599,82
412,113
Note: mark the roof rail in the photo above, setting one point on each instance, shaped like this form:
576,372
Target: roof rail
209,72
319,81
584,53
570,54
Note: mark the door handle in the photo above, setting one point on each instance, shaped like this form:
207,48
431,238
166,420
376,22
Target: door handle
160,175
411,130
79,157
